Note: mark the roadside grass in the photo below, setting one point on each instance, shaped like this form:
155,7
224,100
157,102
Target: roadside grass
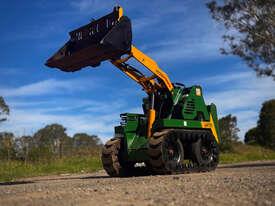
244,153
10,171
15,169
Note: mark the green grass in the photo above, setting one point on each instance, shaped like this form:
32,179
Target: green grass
10,171
243,153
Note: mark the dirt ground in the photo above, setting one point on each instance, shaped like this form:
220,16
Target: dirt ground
236,184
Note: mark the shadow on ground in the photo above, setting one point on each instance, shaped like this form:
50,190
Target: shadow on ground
252,164
15,183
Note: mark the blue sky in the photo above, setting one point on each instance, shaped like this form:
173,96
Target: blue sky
179,35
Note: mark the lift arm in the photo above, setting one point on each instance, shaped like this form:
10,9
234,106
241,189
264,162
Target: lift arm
158,79
149,84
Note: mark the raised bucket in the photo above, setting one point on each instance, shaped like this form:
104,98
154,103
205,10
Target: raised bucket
106,38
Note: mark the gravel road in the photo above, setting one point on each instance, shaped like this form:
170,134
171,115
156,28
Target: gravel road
237,184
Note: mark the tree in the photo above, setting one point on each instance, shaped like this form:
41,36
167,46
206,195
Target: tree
250,24
7,145
229,132
85,144
251,136
266,124
85,140
4,110
24,146
50,139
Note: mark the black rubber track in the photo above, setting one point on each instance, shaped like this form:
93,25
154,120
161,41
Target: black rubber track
113,163
110,158
189,137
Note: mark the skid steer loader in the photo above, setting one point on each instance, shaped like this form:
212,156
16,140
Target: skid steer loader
177,133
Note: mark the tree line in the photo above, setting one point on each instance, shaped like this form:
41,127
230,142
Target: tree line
263,134
48,143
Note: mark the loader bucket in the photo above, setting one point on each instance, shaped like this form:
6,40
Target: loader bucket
106,38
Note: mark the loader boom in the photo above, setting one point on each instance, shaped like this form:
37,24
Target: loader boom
148,83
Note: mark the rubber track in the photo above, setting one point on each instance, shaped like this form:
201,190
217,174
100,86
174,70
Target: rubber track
109,157
186,136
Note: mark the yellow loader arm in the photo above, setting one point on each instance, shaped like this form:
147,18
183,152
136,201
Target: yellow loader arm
148,83
158,79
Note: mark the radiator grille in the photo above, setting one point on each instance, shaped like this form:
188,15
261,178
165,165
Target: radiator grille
189,106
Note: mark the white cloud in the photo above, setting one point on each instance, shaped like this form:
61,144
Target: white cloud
7,71
77,115
224,78
242,96
245,91
190,35
135,110
246,120
23,122
49,86
190,49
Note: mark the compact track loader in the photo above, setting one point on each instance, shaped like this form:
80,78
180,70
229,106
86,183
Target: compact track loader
177,132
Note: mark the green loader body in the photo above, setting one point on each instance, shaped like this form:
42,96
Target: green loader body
193,112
